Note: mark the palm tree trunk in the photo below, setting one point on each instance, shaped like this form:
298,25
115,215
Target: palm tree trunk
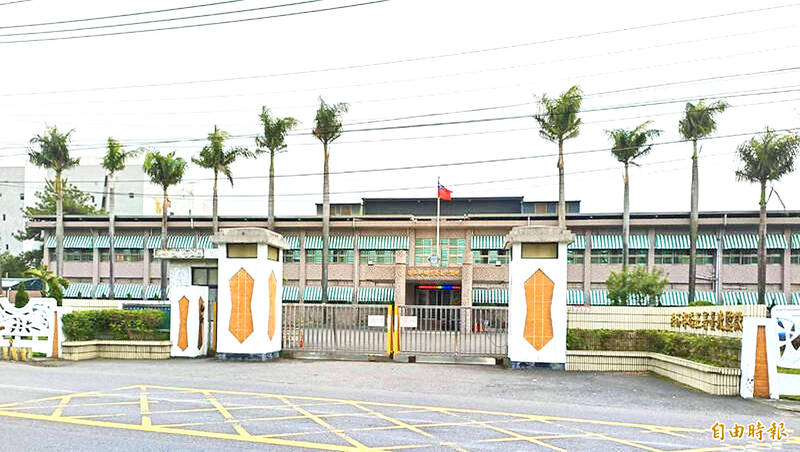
626,221
271,209
59,225
693,226
326,226
111,250
762,244
562,207
164,246
215,218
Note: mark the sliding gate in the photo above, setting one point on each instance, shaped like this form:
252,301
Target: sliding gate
391,330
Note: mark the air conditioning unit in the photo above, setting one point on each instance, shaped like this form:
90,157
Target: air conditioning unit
370,263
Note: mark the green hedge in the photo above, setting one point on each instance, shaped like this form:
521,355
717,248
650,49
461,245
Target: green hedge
115,324
717,351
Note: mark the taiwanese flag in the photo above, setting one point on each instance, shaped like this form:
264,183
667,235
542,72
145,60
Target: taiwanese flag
444,193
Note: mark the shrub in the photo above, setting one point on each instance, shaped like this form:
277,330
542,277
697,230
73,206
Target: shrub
116,324
701,303
21,298
717,351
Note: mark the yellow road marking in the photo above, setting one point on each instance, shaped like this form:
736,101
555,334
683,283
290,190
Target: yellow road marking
625,442
61,405
321,422
529,439
226,414
394,421
144,407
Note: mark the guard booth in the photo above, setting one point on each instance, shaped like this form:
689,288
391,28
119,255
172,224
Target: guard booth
250,284
537,304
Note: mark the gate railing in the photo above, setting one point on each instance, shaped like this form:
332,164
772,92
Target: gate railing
381,329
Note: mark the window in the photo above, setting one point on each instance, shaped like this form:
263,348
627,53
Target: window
272,253
795,258
123,255
740,257
774,256
4,217
334,256
490,256
78,254
540,250
637,257
452,251
202,276
575,256
291,256
681,257
376,256
606,256
242,250
22,196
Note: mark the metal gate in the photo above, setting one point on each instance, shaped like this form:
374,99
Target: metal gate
390,330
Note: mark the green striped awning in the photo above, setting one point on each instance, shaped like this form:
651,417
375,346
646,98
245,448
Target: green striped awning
575,297
776,298
293,241
599,297
482,296
101,291
204,242
681,242
750,241
336,294
578,244
751,298
133,291
375,295
291,294
181,242
72,241
488,242
796,298
614,242
382,243
796,241
153,292
337,242
79,290
121,241
681,297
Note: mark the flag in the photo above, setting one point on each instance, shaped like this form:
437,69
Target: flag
444,193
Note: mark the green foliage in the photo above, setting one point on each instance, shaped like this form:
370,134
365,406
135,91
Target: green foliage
116,156
716,351
164,170
76,202
632,286
53,151
214,155
767,158
328,122
21,298
116,324
275,130
632,144
701,303
558,117
53,285
698,120
14,266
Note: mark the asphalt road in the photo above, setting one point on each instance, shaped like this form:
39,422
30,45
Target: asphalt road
293,404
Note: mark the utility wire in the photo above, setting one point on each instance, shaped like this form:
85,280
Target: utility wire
426,58
11,3
178,27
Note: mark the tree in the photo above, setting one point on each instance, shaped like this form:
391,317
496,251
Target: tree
52,285
558,121
636,285
21,298
164,171
53,154
698,122
628,146
274,142
15,266
215,157
114,162
327,128
766,159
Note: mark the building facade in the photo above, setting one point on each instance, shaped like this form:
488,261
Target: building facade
12,201
379,258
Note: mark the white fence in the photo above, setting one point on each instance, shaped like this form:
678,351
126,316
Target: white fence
36,325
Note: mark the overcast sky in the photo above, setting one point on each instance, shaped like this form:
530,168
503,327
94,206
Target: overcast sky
761,47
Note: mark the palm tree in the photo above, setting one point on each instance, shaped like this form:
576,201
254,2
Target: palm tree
164,171
52,285
114,162
698,122
327,128
558,121
766,159
53,154
628,146
215,157
273,141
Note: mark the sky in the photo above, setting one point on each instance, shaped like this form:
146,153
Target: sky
424,61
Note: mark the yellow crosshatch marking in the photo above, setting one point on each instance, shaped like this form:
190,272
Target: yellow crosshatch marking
346,425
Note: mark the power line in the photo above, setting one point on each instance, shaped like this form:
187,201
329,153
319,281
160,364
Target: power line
417,59
177,27
119,15
16,1
154,21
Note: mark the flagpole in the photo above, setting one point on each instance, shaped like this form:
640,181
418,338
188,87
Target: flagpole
438,211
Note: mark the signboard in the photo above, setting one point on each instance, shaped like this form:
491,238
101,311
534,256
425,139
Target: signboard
428,272
188,253
408,321
376,320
